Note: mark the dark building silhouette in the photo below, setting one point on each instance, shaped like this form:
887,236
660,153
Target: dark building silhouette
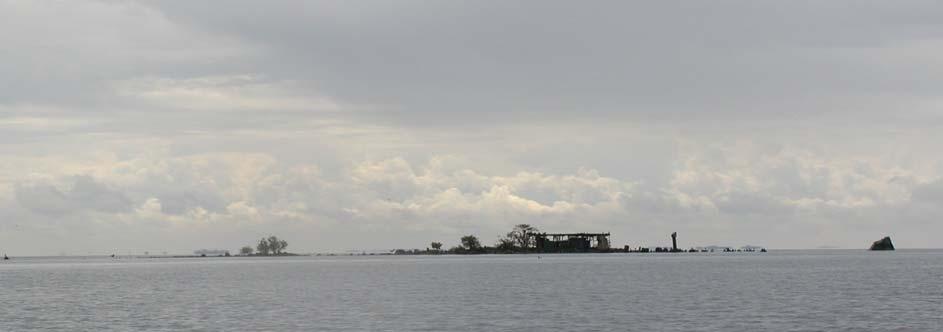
571,242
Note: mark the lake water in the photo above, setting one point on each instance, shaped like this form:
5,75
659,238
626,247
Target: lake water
827,290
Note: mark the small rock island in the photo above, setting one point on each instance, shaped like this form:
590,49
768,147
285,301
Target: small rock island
883,244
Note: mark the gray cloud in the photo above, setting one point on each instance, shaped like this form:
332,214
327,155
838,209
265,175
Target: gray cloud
85,194
44,199
435,61
929,193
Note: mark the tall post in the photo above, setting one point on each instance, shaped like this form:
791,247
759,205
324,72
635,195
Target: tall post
674,241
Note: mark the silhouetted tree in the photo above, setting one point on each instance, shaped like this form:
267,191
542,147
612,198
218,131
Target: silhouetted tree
246,251
273,244
276,246
263,247
471,243
523,235
437,246
270,246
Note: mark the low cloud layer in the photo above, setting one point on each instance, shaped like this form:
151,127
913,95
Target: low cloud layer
786,199
164,126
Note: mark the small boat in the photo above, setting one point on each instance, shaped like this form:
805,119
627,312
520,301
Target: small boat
5,257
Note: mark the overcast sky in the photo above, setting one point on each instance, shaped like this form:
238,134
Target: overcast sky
180,125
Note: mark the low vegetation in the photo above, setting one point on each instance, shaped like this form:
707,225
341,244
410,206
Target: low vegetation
519,240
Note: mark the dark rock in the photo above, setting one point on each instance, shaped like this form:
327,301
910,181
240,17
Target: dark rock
883,244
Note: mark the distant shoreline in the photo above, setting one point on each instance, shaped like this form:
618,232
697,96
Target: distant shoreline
13,258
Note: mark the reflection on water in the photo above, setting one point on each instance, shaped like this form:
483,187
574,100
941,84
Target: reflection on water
778,291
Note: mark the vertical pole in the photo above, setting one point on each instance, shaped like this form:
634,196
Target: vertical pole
674,241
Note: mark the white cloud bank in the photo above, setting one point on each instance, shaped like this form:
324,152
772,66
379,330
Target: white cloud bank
786,199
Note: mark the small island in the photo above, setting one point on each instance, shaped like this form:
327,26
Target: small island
524,239
883,244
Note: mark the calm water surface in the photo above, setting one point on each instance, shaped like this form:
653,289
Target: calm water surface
830,290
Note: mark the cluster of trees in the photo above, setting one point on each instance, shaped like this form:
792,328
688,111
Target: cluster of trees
520,239
271,246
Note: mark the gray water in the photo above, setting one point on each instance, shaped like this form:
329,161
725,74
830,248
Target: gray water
829,290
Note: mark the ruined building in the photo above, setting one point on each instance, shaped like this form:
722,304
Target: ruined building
572,242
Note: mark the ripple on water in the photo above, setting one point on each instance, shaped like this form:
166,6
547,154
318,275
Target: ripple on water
786,291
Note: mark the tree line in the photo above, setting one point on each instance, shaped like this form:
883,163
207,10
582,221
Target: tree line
271,246
520,239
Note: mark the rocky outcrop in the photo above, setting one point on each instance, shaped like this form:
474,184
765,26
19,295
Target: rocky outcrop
883,244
